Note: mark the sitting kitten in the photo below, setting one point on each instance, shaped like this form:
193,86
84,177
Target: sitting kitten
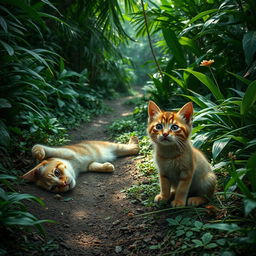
61,165
183,169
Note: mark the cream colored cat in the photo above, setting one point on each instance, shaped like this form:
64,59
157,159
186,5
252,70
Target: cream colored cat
61,165
184,173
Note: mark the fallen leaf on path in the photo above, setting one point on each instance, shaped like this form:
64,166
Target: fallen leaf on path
214,211
67,199
130,214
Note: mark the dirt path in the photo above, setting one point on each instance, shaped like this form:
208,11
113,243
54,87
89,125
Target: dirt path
96,218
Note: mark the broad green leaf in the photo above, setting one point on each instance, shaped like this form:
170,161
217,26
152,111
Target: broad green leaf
240,139
249,205
195,100
3,24
174,45
62,65
4,135
221,241
7,177
224,227
7,47
47,15
60,102
36,56
198,243
3,195
207,82
198,224
191,44
4,103
242,79
211,245
249,46
189,234
206,238
176,80
16,197
51,5
202,14
201,139
172,222
32,13
236,178
249,98
180,232
251,167
218,146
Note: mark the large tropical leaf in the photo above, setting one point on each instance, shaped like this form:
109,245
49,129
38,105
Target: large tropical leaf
249,98
207,82
174,46
249,46
218,146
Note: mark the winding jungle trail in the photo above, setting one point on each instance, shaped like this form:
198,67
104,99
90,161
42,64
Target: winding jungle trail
96,218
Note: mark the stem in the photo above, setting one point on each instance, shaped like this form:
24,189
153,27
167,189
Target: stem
149,39
214,78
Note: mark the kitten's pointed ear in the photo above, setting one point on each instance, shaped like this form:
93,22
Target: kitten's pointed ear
33,174
186,112
153,109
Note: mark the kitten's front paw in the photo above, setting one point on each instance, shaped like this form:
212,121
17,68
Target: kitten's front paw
178,203
196,201
160,198
108,167
38,152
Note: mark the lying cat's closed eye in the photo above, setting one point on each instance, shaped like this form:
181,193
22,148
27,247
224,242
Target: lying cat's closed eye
60,166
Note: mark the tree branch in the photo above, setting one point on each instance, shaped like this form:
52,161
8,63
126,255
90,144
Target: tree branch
149,39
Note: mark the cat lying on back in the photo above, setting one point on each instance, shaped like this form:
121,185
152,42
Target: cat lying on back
184,173
60,166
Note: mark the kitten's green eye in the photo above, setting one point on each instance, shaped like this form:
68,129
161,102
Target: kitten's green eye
175,127
57,172
159,126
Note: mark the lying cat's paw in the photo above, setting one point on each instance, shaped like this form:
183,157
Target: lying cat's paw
108,167
38,152
178,203
133,140
160,198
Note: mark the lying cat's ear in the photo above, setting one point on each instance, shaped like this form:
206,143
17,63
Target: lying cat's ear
186,112
153,110
33,174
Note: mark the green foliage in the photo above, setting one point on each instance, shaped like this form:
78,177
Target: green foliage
224,101
135,123
144,192
14,216
57,62
123,125
188,230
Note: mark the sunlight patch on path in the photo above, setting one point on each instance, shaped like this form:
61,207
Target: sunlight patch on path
126,114
84,240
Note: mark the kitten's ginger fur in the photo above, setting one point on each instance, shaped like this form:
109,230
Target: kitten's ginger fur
184,173
60,166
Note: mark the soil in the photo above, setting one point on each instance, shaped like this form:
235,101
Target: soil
96,218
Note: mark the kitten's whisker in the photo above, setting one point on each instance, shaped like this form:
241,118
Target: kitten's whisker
180,144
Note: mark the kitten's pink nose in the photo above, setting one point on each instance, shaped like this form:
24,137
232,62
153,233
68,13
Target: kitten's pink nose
165,134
